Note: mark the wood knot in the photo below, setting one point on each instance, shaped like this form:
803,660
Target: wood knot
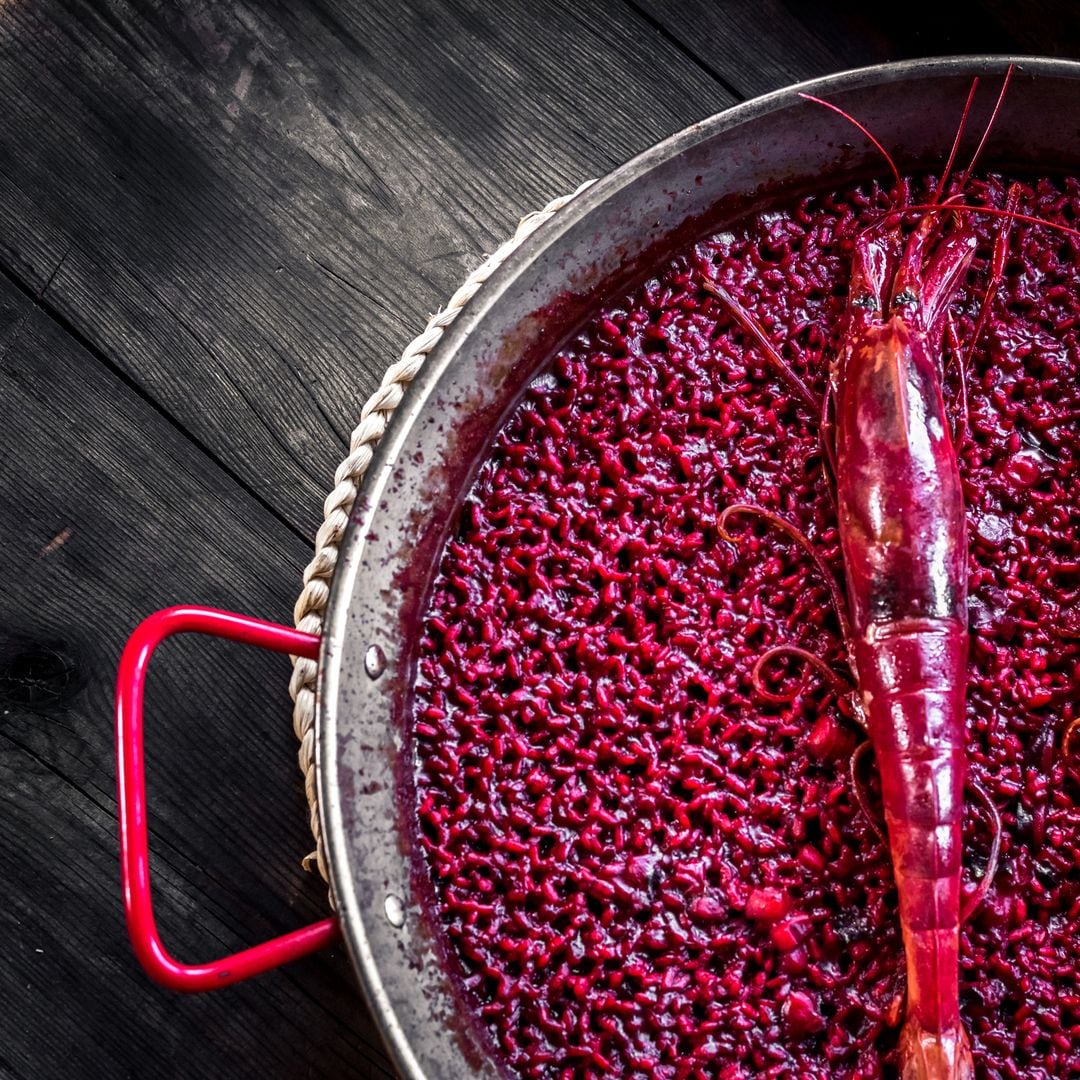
40,675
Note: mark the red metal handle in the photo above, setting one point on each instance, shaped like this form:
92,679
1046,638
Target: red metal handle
131,794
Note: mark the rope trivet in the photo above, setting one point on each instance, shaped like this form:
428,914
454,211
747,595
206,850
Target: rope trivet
374,417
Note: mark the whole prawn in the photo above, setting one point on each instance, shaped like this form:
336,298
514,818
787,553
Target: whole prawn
900,509
903,535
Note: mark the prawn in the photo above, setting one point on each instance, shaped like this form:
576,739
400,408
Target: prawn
890,450
903,536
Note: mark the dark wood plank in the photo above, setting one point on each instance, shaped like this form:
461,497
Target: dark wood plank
108,514
225,219
754,46
250,208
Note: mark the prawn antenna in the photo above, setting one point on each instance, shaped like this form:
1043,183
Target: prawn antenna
751,327
956,142
968,208
851,120
989,125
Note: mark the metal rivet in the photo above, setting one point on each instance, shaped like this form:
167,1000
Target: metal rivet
374,661
395,910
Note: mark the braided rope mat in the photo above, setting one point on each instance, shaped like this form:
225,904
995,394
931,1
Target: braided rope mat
374,417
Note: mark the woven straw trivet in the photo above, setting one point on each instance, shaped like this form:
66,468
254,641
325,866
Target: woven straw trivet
374,418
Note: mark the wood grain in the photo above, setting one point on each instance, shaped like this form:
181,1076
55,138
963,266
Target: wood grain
754,46
253,207
219,222
109,514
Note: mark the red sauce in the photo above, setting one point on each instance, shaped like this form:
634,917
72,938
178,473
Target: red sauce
644,868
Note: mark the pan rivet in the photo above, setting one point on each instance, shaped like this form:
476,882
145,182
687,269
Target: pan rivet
395,910
374,661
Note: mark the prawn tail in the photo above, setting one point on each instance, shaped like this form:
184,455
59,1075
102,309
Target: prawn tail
926,858
935,1055
916,724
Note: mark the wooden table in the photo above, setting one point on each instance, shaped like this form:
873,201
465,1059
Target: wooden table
219,222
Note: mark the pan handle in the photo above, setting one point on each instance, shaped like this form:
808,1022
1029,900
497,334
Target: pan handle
131,797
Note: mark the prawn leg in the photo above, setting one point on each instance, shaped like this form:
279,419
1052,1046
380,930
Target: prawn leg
960,422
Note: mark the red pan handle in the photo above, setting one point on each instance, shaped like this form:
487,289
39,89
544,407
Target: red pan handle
131,796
